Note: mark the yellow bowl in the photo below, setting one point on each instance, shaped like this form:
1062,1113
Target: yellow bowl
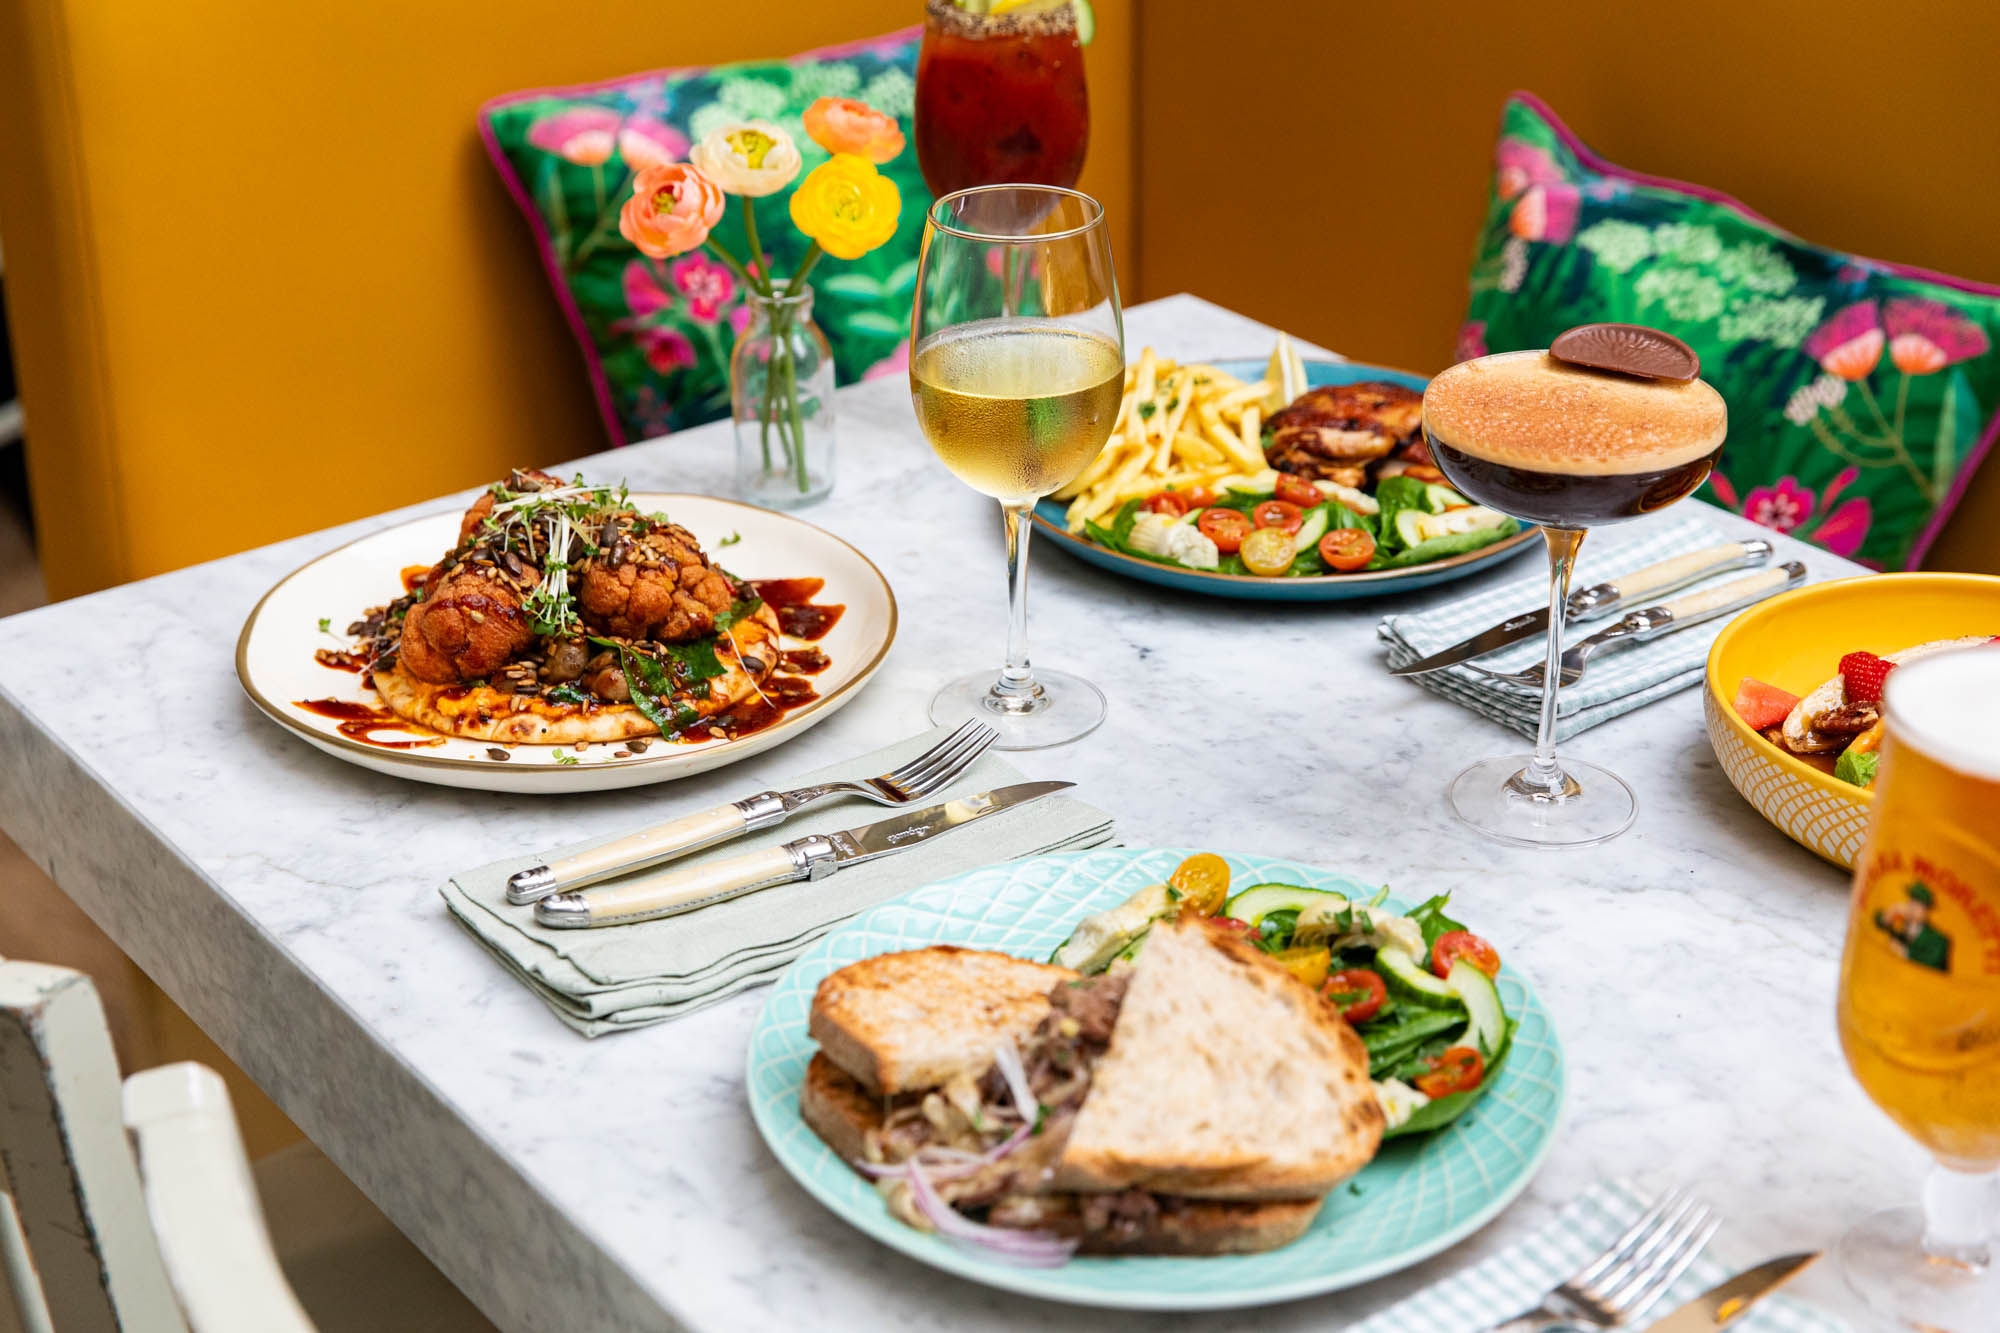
1796,642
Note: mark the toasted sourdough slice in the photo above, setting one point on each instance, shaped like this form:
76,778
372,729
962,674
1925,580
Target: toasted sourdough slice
1226,1078
841,1112
900,1022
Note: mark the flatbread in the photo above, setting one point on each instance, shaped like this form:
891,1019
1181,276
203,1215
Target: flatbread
483,713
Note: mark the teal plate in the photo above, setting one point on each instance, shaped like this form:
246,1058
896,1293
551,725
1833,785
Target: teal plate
1050,514
1417,1197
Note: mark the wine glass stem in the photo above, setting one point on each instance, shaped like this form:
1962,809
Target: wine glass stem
1016,686
1544,776
1958,1216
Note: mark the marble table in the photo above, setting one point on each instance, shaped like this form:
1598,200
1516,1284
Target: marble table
288,901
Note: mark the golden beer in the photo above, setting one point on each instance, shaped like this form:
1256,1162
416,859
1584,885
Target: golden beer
1920,979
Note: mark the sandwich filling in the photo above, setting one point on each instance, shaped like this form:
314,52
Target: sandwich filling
976,1116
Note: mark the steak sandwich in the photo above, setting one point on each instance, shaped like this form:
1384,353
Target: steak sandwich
1200,1100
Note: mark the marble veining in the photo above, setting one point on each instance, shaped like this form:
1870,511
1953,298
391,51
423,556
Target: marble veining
288,901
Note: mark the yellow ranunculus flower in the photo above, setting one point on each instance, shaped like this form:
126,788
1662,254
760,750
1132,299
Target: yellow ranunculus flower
847,206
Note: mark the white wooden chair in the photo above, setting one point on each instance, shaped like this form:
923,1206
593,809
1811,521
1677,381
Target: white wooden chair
92,1241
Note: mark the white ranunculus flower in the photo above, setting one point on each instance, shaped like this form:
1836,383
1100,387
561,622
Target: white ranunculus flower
747,157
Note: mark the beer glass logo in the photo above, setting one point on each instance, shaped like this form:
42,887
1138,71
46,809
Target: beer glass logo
1911,934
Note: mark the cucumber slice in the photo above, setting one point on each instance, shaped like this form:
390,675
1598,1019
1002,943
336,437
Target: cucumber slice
1441,498
1482,1003
1404,973
1310,532
1260,900
1410,526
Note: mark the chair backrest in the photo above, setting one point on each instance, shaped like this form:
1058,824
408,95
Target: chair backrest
88,1248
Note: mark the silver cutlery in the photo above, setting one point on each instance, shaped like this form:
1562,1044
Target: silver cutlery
1658,621
927,774
1726,1302
666,892
1628,1279
1599,600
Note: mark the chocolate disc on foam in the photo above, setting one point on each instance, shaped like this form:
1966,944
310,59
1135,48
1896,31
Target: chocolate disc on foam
1628,349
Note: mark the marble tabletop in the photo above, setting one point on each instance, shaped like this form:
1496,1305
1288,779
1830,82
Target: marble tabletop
289,902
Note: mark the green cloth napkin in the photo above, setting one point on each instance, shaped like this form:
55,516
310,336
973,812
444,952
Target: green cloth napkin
619,977
1617,681
1518,1278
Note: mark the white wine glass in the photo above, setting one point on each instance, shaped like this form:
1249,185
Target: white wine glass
1017,366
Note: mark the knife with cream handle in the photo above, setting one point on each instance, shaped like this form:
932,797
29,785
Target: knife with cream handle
1598,600
685,888
690,833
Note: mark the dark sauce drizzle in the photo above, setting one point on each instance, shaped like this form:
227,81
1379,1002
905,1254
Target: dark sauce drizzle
360,722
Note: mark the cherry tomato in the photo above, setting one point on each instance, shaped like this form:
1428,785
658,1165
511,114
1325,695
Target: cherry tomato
1203,883
1307,964
1201,497
1456,944
1283,515
1225,527
1297,490
1267,551
1456,1070
1358,992
1233,925
1347,549
1171,503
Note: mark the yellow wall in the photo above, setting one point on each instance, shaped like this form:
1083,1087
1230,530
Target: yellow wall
1323,167
263,277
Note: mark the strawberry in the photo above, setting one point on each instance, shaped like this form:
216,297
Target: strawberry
1863,674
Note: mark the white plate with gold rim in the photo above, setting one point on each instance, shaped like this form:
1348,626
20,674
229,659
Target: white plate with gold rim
276,665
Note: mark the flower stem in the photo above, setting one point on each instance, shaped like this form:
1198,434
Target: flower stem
735,266
750,235
798,282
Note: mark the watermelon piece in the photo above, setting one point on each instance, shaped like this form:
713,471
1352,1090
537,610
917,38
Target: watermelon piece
1763,705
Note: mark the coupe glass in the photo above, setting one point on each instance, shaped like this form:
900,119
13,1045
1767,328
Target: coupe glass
1000,97
1567,448
1920,991
1017,366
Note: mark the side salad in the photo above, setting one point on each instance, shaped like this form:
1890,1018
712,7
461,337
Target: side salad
1278,525
1417,986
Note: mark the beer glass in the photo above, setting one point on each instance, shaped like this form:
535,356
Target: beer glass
1920,990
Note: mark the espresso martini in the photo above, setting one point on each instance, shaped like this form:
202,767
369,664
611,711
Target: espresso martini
1566,446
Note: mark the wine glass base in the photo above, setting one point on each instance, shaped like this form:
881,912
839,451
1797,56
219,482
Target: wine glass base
1883,1261
1595,806
1063,708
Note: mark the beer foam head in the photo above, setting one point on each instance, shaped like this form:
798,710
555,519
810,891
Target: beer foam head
1529,410
1947,705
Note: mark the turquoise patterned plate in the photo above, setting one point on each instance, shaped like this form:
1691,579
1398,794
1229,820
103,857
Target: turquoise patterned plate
1051,514
1417,1197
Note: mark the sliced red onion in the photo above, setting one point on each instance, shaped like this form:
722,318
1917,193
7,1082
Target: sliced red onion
948,1163
1008,1061
1029,1249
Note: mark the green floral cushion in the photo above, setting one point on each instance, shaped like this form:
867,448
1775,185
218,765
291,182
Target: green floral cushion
656,334
1862,395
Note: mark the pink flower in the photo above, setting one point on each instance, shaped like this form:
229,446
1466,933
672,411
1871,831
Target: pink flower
1781,507
1926,336
1843,530
739,319
1545,213
1471,340
1850,343
706,283
1724,490
644,296
666,350
644,142
1519,165
584,135
897,363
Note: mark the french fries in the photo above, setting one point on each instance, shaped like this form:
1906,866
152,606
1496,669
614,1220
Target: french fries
1178,426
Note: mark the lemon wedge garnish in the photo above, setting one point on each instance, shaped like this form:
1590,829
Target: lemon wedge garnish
1285,374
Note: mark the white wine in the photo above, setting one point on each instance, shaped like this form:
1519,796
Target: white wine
1016,408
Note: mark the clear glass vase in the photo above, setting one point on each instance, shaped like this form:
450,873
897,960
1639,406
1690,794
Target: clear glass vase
781,395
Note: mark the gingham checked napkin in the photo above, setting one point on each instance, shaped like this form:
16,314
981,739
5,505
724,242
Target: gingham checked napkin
1516,1280
1617,681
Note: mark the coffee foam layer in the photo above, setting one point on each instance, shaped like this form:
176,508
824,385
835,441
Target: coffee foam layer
1529,410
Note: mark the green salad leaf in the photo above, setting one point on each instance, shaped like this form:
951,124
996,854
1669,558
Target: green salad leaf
1430,918
1858,769
1441,1111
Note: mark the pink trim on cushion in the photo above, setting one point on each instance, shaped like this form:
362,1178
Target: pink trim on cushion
1605,167
593,362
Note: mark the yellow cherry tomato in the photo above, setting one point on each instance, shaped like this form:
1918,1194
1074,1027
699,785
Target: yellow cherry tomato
1308,965
1267,551
1203,883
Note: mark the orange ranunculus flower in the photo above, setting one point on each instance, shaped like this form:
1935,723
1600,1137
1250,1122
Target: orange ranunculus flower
671,210
843,125
847,206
